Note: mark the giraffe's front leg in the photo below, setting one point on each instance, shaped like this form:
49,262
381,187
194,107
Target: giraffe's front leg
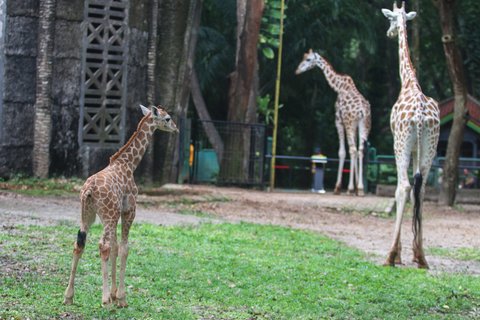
104,255
105,251
121,293
113,261
127,221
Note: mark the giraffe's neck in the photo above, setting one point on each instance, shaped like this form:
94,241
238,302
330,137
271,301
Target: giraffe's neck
333,78
407,71
132,152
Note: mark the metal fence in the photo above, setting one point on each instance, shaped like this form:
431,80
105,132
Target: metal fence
294,172
226,153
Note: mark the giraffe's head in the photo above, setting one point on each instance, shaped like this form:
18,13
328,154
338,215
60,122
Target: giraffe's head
161,118
397,18
309,61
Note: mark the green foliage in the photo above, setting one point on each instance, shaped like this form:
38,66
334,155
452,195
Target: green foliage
270,27
352,36
469,30
215,54
265,108
223,271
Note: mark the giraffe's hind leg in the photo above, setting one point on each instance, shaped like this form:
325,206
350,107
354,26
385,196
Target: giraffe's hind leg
352,149
401,196
78,248
87,219
362,133
341,155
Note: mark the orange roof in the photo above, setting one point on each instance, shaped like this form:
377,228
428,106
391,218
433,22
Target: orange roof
473,106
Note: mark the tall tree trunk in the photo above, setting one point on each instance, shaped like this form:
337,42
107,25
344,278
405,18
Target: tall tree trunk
151,66
244,74
178,27
235,167
43,99
210,130
457,76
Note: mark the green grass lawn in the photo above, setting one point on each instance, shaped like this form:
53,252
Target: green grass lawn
42,187
223,271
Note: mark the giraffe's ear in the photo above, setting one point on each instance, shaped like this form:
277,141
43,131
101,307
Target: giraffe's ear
411,15
388,13
145,110
154,111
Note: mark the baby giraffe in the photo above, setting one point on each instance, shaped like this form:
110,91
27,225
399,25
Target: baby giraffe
111,194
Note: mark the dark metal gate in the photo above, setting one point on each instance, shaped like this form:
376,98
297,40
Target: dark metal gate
242,162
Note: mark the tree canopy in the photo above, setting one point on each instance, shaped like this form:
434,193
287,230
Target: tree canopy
352,36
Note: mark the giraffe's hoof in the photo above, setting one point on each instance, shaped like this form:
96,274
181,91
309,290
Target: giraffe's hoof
122,303
391,258
106,301
68,301
336,191
360,193
421,263
389,264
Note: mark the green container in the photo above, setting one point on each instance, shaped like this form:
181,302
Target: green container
207,167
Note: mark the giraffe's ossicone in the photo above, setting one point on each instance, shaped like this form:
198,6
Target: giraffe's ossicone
111,194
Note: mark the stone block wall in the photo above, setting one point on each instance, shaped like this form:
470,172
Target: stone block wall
17,103
66,84
19,87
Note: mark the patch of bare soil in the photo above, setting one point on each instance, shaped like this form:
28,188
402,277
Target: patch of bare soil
360,222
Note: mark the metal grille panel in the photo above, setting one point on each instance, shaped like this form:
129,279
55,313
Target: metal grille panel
249,172
104,72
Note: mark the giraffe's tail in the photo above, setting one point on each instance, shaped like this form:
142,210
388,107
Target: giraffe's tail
417,214
418,181
87,217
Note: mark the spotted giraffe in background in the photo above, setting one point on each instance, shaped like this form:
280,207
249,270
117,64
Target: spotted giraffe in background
111,194
352,113
415,124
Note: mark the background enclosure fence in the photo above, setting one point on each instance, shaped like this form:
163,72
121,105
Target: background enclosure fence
225,153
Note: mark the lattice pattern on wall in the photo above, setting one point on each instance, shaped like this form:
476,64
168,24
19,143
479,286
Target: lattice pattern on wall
104,72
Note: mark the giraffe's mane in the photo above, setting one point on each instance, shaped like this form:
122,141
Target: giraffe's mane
410,65
129,142
331,66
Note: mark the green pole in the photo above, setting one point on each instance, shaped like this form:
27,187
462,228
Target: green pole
277,95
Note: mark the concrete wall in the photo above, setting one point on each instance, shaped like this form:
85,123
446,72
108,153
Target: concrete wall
19,87
19,62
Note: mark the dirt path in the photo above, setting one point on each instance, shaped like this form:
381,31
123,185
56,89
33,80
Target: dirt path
359,222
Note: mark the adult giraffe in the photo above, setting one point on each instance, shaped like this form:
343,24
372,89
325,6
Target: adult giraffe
111,194
415,124
352,113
